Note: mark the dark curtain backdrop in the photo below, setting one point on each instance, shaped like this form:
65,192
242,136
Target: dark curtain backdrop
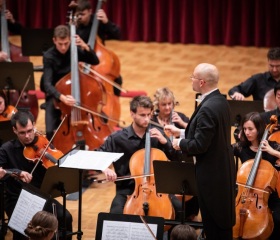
227,22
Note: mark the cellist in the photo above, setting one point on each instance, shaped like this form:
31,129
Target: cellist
252,131
106,29
56,62
129,140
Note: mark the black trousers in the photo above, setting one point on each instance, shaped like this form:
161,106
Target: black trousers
52,117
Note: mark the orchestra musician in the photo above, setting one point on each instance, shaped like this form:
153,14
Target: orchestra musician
42,226
266,115
13,159
164,114
129,140
6,111
251,134
56,62
207,138
106,29
14,27
259,84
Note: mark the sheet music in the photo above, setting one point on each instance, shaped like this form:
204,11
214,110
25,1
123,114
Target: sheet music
113,230
89,160
27,205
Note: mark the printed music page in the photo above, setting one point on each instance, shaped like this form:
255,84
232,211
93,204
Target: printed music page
27,205
89,160
113,230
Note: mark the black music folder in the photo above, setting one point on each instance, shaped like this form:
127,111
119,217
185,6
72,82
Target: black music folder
126,226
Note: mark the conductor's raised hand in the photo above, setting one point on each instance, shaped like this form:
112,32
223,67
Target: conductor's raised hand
172,130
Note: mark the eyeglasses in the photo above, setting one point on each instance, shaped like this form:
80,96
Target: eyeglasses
194,77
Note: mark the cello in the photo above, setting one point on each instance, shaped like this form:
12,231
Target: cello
80,127
144,200
109,67
256,179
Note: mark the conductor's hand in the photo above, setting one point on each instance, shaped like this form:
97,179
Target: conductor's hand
175,144
25,176
237,96
101,15
110,174
67,100
172,130
155,133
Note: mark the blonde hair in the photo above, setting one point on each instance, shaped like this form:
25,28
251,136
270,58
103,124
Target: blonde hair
163,93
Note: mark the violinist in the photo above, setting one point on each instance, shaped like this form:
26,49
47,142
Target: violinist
13,159
56,62
128,141
6,111
106,29
266,115
164,102
252,131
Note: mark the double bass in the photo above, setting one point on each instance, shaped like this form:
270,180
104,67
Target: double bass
256,179
14,53
109,67
81,127
145,200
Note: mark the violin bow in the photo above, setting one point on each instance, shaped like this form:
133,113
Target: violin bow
22,91
46,148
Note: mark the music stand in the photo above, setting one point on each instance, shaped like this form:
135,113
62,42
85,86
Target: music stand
119,223
15,74
240,108
176,178
7,132
34,42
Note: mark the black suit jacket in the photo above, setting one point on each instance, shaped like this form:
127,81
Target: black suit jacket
208,138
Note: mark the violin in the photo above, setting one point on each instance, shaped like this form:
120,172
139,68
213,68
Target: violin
39,146
8,113
256,179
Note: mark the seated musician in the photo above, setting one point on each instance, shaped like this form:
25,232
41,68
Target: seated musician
56,62
128,141
266,115
13,26
164,102
6,111
13,159
251,134
106,29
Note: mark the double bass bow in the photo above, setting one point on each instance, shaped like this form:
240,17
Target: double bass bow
256,179
144,200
